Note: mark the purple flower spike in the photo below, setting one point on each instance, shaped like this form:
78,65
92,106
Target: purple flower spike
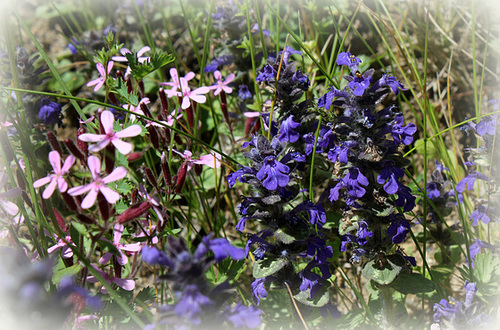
272,173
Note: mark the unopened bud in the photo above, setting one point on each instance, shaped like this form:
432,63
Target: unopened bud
164,103
86,219
103,206
82,145
70,201
153,134
51,137
134,212
74,149
133,156
181,177
60,221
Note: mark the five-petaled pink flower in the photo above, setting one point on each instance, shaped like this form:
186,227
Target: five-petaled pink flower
194,95
141,59
220,85
122,258
99,184
104,75
107,120
56,178
175,84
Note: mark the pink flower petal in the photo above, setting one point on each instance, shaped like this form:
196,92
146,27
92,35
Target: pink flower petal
209,160
131,247
68,163
190,75
143,50
89,137
89,200
61,184
107,120
117,174
130,131
80,189
49,190
110,66
100,69
94,164
55,161
9,207
128,285
111,196
105,258
185,103
100,145
198,98
122,259
122,146
217,75
42,182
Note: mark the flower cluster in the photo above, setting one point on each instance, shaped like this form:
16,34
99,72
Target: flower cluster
196,302
290,250
440,192
364,146
453,314
485,157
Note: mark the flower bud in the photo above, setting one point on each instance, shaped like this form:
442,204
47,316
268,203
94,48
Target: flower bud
181,177
69,200
133,156
164,103
86,219
60,221
134,212
74,149
51,137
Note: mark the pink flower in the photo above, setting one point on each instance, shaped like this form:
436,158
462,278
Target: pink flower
125,284
99,185
66,250
107,120
5,205
141,59
104,74
222,85
175,84
122,259
136,109
55,178
194,95
212,161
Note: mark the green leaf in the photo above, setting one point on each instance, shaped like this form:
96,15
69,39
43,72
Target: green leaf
146,294
266,267
321,298
120,89
384,271
412,284
124,186
65,272
156,61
